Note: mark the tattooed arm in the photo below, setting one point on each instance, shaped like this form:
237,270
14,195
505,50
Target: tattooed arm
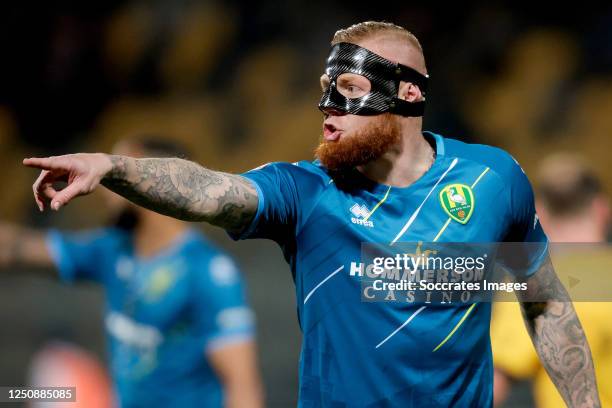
558,338
171,186
184,190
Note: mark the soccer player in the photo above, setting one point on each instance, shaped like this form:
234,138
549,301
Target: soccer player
180,331
378,177
573,208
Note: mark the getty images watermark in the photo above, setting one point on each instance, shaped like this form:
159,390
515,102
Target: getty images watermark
475,272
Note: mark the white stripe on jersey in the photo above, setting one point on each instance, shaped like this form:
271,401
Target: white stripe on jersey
322,282
416,212
412,316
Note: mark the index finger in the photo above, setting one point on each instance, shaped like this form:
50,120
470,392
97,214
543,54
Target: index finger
45,163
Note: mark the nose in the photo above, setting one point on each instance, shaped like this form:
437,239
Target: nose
329,111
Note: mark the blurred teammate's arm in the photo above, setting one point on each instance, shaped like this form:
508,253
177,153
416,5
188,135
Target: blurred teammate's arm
558,338
20,246
236,366
170,186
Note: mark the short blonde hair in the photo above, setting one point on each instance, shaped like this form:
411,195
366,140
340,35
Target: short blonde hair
367,29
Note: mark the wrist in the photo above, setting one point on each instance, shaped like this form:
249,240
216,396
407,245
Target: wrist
112,166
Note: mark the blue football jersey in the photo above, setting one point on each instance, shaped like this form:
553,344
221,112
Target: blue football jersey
379,354
164,313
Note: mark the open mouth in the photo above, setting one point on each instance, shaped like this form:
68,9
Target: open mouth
330,132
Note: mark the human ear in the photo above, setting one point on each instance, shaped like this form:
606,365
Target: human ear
410,92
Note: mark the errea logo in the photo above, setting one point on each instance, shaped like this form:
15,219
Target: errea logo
361,214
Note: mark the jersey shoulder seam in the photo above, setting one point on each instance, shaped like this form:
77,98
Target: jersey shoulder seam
505,183
316,203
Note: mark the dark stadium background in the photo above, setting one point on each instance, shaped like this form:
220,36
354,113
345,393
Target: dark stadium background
237,81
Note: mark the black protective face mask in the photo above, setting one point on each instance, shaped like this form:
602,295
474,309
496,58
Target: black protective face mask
384,77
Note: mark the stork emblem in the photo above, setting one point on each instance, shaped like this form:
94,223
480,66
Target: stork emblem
457,200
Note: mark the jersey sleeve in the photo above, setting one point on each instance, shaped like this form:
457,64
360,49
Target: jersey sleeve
284,192
524,225
221,311
80,255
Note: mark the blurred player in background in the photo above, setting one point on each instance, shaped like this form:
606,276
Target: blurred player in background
378,178
572,208
181,333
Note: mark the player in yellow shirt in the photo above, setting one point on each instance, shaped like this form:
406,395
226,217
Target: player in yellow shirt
572,208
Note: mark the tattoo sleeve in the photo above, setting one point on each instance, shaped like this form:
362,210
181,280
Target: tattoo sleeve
558,338
185,190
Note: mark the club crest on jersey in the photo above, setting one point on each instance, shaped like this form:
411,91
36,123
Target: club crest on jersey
457,200
361,214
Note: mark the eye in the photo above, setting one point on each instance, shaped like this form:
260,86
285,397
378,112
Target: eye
353,86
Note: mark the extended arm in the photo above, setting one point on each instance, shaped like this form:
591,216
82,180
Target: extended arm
184,190
558,338
21,246
171,186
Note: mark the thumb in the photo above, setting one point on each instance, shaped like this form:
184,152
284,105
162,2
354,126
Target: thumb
63,197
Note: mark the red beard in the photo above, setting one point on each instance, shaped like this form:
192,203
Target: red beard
361,147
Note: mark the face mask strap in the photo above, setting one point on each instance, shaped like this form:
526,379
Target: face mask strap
407,74
405,108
